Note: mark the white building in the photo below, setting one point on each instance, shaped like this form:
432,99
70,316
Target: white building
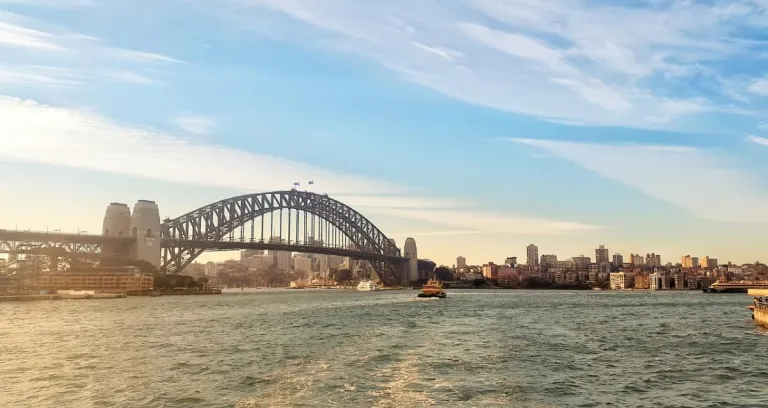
658,280
621,281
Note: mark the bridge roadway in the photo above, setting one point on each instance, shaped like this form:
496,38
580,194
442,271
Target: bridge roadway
12,241
258,245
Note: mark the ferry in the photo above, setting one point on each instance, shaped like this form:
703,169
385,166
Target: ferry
760,310
735,287
367,286
433,288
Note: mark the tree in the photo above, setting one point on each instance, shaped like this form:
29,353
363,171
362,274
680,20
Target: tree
443,273
342,275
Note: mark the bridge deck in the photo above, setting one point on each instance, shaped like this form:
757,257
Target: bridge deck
37,236
238,245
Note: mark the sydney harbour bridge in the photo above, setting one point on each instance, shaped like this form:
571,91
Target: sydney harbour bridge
291,220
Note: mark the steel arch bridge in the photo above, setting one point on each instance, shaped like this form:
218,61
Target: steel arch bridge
186,237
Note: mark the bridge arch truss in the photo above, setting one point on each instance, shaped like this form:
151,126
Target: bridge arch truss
184,237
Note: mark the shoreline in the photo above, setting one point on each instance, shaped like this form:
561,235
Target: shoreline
27,298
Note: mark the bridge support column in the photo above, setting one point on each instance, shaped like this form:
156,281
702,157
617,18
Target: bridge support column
145,227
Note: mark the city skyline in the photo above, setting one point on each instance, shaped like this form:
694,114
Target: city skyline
465,125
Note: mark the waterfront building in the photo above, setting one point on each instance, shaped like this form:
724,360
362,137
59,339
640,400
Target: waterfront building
532,252
508,276
655,281
594,272
679,281
601,255
621,280
642,281
100,280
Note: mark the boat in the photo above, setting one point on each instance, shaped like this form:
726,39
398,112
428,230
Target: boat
735,287
433,288
760,310
367,286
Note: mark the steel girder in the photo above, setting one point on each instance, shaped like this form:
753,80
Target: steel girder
214,221
32,242
29,247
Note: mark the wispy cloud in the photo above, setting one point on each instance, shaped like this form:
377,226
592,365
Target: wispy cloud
572,61
32,132
39,76
129,77
195,124
139,56
758,139
50,3
667,173
12,35
759,87
39,54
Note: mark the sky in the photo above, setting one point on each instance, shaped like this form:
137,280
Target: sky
476,127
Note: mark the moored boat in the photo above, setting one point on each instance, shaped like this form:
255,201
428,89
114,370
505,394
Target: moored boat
367,286
433,288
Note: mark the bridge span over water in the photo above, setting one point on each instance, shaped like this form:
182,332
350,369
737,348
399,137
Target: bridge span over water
291,220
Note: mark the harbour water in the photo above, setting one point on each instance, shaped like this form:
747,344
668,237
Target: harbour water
478,348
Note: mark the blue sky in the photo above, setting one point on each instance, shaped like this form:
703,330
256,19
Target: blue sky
475,126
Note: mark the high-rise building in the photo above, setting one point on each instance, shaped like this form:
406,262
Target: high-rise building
601,255
686,261
550,260
511,261
653,259
302,263
695,262
533,256
618,260
581,262
461,263
711,263
636,259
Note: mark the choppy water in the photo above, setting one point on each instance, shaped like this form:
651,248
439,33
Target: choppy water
385,349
